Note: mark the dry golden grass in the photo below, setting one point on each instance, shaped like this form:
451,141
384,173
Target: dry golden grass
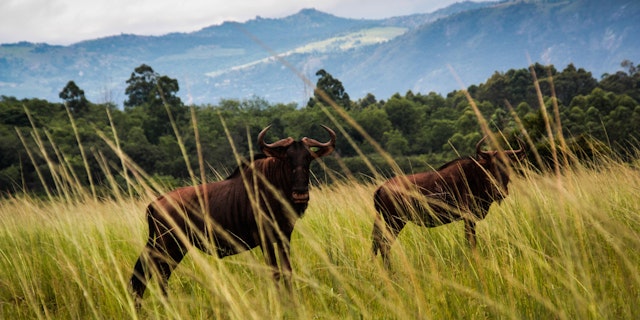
562,248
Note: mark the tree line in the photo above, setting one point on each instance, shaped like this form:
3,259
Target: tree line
155,128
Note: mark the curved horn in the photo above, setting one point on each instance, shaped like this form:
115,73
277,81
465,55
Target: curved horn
479,145
520,151
314,143
323,148
280,143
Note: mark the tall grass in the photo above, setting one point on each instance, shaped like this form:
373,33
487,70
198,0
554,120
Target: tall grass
565,251
562,245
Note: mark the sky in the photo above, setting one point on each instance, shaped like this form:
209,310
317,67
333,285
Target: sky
64,22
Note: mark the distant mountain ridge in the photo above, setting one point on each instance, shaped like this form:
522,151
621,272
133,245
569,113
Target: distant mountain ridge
592,34
234,60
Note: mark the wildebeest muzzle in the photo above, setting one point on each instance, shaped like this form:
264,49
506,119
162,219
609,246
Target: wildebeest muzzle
300,196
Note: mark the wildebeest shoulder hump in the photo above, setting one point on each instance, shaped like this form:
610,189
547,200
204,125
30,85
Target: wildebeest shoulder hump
236,172
454,161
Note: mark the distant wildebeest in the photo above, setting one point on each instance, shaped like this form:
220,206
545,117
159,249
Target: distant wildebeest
462,189
257,205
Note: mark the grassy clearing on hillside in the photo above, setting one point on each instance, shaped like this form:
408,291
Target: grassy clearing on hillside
564,248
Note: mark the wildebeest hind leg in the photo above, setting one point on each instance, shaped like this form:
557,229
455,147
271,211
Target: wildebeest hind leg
166,261
384,235
470,232
141,275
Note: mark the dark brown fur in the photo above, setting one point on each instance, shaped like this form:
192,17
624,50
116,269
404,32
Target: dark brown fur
462,189
257,205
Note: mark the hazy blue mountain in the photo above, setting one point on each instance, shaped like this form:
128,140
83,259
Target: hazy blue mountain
236,60
596,35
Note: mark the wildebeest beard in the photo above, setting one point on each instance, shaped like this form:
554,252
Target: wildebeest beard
300,208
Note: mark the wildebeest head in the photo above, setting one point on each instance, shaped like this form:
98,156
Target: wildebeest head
495,163
298,155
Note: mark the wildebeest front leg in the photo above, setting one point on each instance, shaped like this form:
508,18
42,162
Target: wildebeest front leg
269,252
159,258
285,263
470,232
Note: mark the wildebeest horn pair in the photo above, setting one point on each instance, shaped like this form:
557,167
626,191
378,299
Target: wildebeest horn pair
237,214
509,153
311,143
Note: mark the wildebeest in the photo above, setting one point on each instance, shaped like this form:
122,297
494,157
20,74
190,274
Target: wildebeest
462,189
257,205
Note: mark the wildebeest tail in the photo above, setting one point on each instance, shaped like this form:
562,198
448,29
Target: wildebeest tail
378,224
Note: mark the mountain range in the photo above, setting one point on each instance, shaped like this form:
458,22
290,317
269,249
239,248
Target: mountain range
276,59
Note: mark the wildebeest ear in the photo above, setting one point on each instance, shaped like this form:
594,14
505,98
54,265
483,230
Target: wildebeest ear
487,155
321,151
277,152
518,155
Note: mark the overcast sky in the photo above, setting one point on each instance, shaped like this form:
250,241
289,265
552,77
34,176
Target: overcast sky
68,21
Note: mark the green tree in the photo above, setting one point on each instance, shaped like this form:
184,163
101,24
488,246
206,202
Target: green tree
494,89
601,100
403,114
146,86
367,101
329,89
623,82
467,122
617,123
436,134
465,144
375,122
155,94
522,109
141,86
395,143
74,98
572,82
140,150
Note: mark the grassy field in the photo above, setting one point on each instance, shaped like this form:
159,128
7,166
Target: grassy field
563,247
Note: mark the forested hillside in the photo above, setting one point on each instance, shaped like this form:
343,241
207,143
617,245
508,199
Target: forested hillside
420,130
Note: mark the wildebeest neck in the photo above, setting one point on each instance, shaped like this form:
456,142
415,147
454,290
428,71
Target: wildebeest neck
473,175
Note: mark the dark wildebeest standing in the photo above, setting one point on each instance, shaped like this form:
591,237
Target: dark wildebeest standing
462,189
257,205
